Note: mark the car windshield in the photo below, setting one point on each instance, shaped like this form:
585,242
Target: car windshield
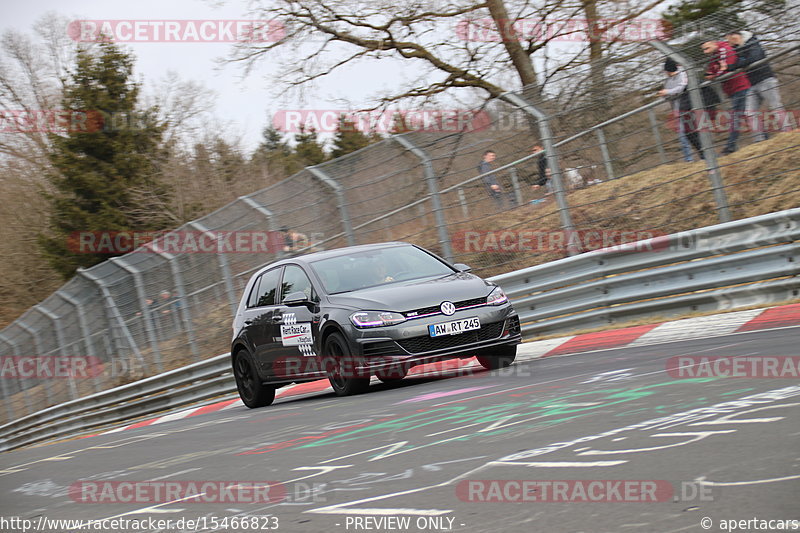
372,268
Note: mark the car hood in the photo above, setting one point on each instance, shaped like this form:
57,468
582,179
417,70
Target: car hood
415,294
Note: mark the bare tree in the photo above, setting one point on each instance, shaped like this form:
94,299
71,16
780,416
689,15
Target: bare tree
32,74
486,47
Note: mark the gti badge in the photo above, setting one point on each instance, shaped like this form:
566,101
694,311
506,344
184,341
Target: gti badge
448,308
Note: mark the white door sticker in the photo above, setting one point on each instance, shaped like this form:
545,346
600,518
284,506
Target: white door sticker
296,334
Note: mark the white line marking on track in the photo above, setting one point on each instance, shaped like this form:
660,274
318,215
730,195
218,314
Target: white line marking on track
702,481
560,464
174,474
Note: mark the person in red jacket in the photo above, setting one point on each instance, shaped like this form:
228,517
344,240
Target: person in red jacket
720,52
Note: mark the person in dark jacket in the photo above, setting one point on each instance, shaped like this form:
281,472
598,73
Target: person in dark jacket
763,83
489,179
542,176
720,52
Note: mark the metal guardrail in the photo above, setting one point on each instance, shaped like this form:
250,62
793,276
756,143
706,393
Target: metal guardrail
175,388
712,268
730,265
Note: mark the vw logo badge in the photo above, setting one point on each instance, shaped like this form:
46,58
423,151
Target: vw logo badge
448,308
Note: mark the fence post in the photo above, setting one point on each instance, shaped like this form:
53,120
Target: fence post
87,338
56,320
706,142
143,305
552,162
186,315
115,316
339,192
9,404
651,114
462,199
272,221
601,139
433,191
223,266
37,345
515,185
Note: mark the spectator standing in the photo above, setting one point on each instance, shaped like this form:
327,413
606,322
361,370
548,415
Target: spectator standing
293,240
541,178
674,87
763,83
489,178
735,87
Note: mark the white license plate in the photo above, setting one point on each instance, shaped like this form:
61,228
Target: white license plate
455,327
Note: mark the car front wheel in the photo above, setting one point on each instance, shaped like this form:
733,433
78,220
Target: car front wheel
252,392
496,358
342,367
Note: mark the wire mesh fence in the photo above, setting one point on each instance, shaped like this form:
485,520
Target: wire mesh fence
572,172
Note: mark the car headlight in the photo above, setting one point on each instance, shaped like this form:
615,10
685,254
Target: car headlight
374,319
496,297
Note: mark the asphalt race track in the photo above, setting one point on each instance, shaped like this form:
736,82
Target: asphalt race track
610,440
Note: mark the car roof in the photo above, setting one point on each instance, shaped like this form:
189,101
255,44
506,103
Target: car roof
337,252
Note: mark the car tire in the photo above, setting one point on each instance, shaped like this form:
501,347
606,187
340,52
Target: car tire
340,366
251,390
497,357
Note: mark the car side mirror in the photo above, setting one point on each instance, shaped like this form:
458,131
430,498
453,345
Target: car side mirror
296,298
461,267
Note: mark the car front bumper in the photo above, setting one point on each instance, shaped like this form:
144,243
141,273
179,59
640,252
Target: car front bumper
410,343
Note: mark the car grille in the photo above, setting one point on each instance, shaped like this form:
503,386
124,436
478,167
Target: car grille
427,344
434,309
373,349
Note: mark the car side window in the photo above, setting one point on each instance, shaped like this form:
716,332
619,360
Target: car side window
267,289
296,280
253,298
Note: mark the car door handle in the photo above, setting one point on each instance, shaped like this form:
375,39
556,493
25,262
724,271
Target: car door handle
277,319
248,322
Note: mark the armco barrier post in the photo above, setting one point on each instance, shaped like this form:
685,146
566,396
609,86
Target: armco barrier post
177,281
84,327
706,142
62,347
15,350
112,312
433,190
37,346
552,162
651,115
225,269
340,200
143,305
